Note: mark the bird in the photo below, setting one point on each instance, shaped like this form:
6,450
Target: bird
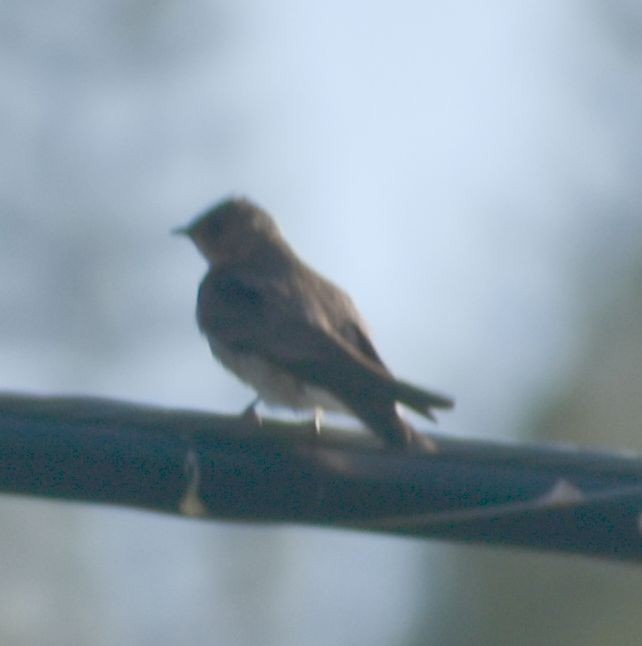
292,335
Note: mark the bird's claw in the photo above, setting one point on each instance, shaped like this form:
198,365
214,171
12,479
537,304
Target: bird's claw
249,414
317,421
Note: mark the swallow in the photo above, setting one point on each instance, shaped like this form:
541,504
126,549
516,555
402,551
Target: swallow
292,335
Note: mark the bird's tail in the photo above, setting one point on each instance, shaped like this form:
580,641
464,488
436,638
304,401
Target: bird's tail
385,421
421,400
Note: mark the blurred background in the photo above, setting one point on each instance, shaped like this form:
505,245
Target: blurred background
470,172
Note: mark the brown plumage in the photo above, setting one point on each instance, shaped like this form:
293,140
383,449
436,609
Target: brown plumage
290,333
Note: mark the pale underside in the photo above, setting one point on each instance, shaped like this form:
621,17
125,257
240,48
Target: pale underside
273,385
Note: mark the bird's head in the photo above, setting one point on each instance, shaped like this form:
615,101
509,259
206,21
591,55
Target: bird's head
231,231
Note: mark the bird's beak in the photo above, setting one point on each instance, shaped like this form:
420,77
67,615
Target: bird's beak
180,231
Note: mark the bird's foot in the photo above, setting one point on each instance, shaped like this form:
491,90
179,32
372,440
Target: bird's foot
249,414
317,421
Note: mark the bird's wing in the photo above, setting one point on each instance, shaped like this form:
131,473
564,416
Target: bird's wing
345,320
260,319
349,328
354,334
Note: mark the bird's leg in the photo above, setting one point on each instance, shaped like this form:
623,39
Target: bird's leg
317,422
250,415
